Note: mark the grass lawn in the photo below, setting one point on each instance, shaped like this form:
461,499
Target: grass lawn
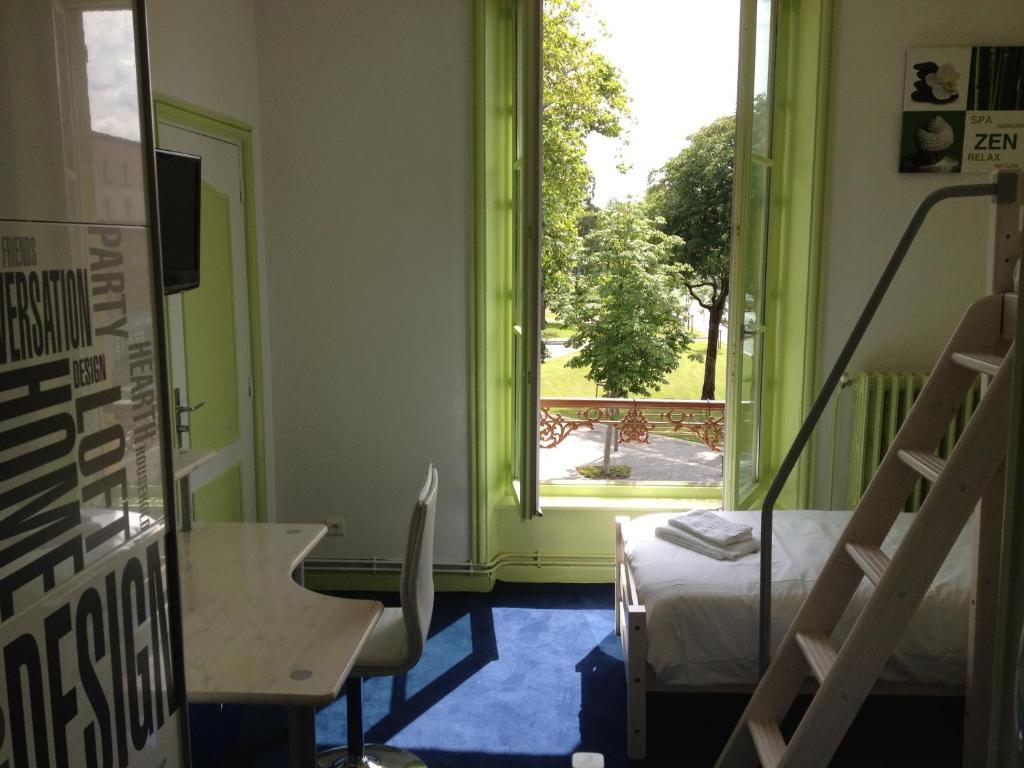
554,329
684,383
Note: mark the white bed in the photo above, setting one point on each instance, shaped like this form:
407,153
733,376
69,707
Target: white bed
689,622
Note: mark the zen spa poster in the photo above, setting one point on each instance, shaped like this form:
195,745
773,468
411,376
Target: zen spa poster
963,110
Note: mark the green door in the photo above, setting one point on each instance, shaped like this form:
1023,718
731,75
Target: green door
209,339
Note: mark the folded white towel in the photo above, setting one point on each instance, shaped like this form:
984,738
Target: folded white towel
683,539
711,527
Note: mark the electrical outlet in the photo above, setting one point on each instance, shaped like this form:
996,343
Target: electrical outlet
335,526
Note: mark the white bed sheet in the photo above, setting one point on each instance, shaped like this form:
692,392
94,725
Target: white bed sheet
702,612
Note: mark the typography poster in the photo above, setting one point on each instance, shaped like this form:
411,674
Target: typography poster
88,625
963,110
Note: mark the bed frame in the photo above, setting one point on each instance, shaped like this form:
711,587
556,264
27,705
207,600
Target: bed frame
1005,246
631,627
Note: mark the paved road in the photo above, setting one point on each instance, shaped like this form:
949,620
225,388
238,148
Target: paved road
664,458
557,348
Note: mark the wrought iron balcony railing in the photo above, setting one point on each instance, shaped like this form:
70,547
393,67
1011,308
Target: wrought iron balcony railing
633,420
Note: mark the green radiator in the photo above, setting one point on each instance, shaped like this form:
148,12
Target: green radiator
881,401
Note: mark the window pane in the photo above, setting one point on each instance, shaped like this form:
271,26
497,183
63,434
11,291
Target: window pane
752,329
761,112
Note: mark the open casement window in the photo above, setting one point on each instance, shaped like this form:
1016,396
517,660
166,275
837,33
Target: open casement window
526,272
506,265
777,212
752,193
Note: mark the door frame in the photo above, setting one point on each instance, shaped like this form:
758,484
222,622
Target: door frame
195,118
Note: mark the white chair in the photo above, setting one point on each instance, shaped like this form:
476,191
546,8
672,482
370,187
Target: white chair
396,642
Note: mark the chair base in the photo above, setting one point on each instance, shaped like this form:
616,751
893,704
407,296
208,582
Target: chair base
374,756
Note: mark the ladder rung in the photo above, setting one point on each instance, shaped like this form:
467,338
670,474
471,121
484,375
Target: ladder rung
818,651
927,464
768,741
982,363
871,560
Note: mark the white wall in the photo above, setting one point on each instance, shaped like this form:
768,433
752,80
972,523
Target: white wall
870,203
366,113
204,53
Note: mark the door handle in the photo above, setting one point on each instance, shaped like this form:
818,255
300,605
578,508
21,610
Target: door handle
181,427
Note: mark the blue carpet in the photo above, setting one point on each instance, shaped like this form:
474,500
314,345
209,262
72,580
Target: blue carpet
526,675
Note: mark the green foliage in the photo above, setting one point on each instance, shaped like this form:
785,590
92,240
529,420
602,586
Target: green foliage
625,303
613,472
692,193
583,94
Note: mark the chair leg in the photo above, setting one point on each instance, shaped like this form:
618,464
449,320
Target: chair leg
354,689
356,754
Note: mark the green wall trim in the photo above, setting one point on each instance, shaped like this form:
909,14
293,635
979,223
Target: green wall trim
348,581
575,530
559,574
198,117
186,115
734,350
627,504
820,207
477,398
794,283
560,570
611,491
491,279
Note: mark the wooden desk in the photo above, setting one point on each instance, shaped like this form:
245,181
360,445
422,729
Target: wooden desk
253,635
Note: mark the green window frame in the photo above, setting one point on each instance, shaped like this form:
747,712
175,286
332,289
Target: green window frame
505,268
778,215
752,228
505,272
526,275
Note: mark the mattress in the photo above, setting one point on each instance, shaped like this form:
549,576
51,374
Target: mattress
702,613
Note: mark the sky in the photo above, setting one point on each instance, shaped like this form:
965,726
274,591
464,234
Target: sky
679,59
113,91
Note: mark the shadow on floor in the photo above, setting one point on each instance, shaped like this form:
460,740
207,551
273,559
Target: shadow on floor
526,675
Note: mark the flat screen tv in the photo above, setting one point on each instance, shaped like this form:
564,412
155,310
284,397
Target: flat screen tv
178,188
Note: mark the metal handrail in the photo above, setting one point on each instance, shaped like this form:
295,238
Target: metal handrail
1005,190
704,419
627,402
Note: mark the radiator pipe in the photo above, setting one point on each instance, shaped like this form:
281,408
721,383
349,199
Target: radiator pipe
844,382
380,566
1004,188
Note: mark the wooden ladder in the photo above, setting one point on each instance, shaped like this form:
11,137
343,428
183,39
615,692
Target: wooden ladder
982,345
